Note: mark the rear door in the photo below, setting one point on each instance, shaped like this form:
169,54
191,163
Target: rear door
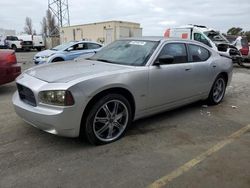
202,67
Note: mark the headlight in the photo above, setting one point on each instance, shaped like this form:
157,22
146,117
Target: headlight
57,97
46,56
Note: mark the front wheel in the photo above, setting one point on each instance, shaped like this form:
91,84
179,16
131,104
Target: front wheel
218,91
108,119
14,47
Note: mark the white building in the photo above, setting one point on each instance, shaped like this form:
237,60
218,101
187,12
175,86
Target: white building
103,32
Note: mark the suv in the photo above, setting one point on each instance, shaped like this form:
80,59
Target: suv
13,42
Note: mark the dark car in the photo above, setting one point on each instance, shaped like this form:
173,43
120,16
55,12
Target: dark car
9,69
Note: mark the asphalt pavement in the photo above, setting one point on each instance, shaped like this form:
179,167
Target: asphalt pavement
193,146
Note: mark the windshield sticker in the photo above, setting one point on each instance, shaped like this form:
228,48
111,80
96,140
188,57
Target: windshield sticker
140,43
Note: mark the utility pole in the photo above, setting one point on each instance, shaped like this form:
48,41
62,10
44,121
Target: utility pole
60,9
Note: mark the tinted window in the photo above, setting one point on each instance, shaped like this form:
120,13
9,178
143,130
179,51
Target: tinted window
199,37
80,46
177,50
198,53
93,46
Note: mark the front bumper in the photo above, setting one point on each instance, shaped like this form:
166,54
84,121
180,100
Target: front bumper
62,121
55,121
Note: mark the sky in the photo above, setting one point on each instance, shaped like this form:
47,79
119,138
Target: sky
153,15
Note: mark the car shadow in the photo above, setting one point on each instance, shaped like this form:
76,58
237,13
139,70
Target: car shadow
145,125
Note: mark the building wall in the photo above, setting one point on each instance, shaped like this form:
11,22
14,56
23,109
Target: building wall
103,32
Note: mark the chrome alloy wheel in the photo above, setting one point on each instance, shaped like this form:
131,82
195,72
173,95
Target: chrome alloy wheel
110,120
219,90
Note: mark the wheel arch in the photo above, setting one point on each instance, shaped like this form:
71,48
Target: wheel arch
115,90
56,57
224,75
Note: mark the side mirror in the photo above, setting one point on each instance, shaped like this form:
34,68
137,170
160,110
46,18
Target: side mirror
70,49
165,59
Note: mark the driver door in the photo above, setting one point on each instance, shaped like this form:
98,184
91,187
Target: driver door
170,83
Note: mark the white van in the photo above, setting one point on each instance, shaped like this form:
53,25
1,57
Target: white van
32,42
207,36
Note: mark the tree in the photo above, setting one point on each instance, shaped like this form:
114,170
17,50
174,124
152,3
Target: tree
49,25
247,33
235,31
44,27
28,28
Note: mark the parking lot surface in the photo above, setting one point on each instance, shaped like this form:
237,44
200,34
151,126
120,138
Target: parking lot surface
187,147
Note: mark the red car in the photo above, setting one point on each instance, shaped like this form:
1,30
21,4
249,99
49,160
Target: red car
9,69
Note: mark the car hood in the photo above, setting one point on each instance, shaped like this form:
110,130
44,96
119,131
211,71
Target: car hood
62,72
46,53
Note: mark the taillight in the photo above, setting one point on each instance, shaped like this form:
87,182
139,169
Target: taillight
11,58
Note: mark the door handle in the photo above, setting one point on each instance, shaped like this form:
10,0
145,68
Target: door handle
214,66
187,69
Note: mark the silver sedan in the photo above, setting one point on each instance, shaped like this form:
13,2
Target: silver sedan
99,97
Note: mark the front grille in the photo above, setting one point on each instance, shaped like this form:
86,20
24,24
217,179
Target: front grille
26,95
27,43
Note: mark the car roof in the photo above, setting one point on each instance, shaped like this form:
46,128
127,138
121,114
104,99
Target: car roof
161,39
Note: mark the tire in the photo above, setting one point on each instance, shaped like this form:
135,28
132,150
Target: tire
103,123
38,49
218,90
57,59
14,47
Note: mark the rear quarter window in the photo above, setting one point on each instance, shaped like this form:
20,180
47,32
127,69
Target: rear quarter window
198,53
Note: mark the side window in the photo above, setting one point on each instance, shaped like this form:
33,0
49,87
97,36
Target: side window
177,50
93,46
199,37
80,46
198,53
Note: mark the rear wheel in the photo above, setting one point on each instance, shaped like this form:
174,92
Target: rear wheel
108,119
218,90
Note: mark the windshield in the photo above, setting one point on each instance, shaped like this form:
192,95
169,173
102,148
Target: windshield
63,46
215,36
126,52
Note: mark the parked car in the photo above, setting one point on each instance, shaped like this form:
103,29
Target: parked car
12,42
67,51
207,36
30,42
9,69
129,79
